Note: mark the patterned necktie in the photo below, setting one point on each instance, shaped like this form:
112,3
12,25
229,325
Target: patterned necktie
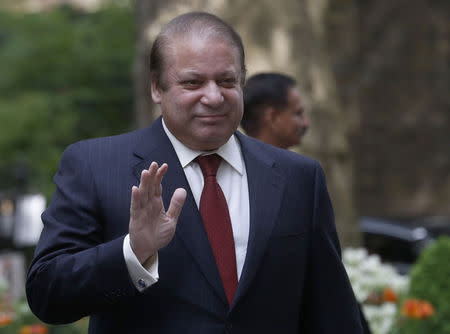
216,219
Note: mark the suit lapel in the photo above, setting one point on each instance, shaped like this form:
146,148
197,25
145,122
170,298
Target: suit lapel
156,146
265,187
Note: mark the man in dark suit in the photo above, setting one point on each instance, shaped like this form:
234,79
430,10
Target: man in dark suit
248,248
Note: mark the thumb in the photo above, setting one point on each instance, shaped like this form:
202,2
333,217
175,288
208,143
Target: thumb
176,203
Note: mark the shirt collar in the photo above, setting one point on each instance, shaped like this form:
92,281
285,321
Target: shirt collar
230,151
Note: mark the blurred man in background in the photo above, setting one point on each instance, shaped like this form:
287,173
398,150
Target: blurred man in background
273,110
274,113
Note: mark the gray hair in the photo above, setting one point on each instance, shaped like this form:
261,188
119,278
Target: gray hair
201,23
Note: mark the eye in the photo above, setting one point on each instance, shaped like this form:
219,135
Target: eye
300,113
227,82
191,84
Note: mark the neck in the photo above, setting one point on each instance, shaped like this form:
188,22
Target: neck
268,138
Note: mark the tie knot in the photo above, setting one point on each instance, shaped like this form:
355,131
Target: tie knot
209,164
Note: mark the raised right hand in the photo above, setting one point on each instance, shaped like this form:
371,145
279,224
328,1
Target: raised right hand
151,226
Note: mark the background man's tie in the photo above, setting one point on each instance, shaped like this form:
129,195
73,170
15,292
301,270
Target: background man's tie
216,219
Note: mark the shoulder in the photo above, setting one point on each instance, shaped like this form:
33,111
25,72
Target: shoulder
113,143
103,142
281,158
103,150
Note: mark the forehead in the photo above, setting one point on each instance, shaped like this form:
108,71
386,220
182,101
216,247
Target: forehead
202,55
294,98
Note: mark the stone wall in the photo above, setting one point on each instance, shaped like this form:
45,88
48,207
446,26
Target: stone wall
390,61
402,143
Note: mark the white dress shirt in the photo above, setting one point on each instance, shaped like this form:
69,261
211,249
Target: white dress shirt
232,178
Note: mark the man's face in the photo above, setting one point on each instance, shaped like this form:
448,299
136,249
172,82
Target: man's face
202,105
291,122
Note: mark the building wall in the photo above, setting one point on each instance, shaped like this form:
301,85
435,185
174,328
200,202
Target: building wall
402,143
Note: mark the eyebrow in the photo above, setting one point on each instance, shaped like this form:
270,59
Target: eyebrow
198,74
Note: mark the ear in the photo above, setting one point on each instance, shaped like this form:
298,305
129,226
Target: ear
270,117
156,92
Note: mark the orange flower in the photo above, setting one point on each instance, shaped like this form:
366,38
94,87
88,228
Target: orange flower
5,318
417,309
427,309
34,329
389,295
411,308
25,330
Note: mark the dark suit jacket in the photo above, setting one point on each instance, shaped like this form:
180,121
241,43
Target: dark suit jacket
293,280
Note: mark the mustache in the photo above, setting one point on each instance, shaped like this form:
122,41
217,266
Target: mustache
303,131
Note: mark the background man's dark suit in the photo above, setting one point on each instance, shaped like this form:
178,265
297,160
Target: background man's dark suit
284,287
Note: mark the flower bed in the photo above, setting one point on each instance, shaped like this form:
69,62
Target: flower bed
377,288
383,293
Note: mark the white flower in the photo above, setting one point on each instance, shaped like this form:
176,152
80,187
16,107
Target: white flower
380,318
367,275
354,256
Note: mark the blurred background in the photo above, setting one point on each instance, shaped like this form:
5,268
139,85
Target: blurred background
374,75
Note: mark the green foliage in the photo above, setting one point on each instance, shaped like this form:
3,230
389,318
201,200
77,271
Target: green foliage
430,280
17,318
65,76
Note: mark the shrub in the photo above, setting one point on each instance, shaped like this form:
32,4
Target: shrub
430,280
65,75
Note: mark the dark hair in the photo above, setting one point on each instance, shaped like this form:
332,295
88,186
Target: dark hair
201,23
264,90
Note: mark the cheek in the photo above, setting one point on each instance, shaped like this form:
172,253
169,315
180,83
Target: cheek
182,98
297,121
185,101
290,126
233,96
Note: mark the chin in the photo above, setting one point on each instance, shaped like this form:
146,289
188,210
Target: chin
210,144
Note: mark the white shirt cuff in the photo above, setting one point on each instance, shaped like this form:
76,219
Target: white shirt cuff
142,277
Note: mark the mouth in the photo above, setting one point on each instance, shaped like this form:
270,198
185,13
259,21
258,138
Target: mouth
212,117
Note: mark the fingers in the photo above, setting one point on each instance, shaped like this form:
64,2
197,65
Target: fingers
176,203
135,201
150,184
159,176
146,186
151,227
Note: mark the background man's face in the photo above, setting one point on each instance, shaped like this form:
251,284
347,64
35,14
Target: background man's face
202,105
291,122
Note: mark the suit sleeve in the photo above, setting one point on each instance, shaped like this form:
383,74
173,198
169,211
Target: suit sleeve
330,305
74,271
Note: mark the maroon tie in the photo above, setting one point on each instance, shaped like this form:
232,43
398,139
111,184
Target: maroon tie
216,219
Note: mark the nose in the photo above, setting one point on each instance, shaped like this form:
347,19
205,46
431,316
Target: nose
304,125
305,121
212,95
